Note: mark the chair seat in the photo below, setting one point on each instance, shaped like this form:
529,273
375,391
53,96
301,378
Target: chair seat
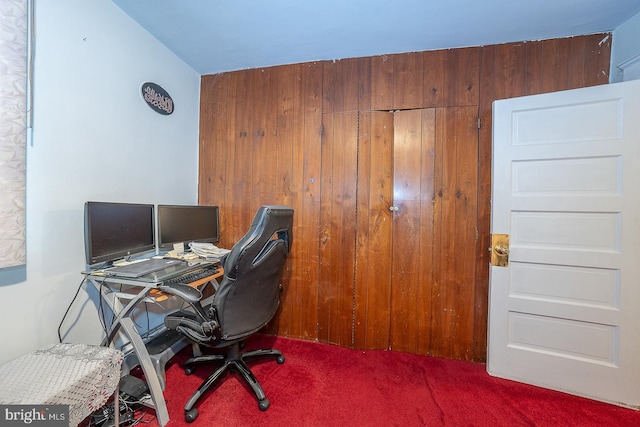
81,376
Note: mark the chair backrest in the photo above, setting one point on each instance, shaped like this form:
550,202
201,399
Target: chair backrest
249,293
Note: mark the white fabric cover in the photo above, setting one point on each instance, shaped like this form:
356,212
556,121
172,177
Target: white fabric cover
81,376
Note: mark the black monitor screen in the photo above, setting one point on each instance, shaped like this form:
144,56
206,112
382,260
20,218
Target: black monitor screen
185,224
117,230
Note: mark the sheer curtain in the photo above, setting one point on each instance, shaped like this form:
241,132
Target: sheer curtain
13,120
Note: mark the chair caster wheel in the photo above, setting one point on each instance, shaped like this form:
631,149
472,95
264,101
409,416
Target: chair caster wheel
190,416
264,404
280,360
189,370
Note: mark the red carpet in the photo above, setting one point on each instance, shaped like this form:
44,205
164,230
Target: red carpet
325,385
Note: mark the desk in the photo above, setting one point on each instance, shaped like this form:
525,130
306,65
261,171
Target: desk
114,291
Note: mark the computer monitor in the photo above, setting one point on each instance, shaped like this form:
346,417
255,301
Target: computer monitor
185,224
117,230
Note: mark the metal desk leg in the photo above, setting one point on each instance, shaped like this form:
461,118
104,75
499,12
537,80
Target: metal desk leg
149,370
116,406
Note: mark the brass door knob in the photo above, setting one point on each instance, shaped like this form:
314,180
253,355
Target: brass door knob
501,250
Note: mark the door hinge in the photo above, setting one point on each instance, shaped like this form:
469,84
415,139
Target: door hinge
479,122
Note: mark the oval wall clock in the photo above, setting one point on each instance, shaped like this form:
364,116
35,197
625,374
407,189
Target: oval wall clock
157,98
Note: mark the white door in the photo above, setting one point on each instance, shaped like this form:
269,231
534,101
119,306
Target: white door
565,312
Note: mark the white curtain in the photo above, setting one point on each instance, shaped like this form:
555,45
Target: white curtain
13,120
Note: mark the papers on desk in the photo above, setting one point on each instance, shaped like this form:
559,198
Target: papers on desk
185,256
208,251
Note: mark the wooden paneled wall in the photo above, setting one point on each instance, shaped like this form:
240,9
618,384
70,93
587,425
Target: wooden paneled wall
293,135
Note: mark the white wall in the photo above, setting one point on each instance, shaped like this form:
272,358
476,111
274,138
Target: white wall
93,139
626,45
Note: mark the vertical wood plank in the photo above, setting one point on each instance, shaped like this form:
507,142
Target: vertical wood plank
287,104
427,249
434,75
309,141
263,140
554,55
462,76
214,123
464,233
577,71
227,232
364,239
287,80
338,218
344,201
455,213
590,66
455,236
347,85
382,81
408,80
534,82
239,205
444,223
364,84
501,77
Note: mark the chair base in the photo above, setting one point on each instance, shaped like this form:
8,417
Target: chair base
234,360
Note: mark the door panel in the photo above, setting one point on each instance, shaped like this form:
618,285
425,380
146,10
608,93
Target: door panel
563,313
413,171
372,305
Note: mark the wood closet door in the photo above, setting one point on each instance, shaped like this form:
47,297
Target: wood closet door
416,231
395,230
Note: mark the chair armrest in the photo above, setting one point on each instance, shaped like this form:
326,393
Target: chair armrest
185,292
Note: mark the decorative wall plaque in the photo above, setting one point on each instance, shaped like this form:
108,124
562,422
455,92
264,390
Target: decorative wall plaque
157,98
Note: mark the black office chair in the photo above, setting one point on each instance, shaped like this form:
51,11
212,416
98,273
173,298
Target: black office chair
245,301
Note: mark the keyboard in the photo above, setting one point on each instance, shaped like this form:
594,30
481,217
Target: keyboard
192,275
141,268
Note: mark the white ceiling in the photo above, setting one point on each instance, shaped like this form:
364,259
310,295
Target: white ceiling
213,36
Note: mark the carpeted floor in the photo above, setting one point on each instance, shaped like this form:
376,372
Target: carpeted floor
325,385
